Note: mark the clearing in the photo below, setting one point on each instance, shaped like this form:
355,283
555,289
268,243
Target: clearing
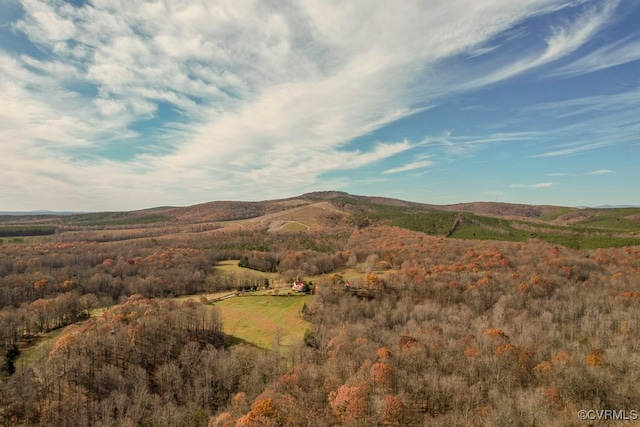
259,320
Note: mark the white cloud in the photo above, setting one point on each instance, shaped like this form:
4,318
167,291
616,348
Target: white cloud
599,104
558,174
538,185
271,96
618,53
597,122
568,38
564,40
410,166
600,172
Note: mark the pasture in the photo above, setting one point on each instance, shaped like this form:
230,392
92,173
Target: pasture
260,320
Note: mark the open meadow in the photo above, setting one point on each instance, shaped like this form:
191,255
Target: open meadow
265,321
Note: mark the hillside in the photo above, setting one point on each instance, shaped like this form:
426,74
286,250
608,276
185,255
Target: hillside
572,227
583,228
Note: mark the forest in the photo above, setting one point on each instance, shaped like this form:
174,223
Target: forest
119,324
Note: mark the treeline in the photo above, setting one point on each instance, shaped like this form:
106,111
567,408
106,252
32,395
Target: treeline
293,264
24,231
35,271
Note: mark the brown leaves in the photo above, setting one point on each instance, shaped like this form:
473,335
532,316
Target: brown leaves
40,284
63,345
596,359
553,394
542,368
349,403
381,375
372,281
506,350
496,333
562,359
383,354
484,281
472,352
406,342
394,411
263,413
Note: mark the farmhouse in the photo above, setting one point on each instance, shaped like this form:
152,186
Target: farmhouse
299,286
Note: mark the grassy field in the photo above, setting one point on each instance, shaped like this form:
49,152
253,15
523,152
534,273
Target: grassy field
231,267
613,219
253,319
259,319
294,226
42,347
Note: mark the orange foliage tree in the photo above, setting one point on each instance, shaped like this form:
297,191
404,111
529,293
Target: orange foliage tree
596,358
382,375
263,414
350,403
394,412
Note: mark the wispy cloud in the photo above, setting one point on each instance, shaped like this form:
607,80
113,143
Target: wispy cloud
564,40
538,185
558,174
630,98
600,172
467,145
591,122
614,54
410,166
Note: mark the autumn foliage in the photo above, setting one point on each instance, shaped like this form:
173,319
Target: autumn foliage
350,403
438,332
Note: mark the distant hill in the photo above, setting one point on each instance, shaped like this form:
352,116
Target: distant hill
38,213
480,208
609,207
573,227
325,210
228,210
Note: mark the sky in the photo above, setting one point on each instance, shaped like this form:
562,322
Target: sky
127,104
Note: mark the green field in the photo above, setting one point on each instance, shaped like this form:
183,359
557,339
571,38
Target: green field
40,348
259,320
231,267
613,219
294,226
602,228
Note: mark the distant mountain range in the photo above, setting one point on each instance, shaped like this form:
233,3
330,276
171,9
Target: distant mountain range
38,213
607,207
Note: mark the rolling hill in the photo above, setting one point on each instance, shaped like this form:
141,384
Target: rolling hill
580,228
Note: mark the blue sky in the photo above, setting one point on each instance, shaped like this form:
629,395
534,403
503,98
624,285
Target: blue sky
118,105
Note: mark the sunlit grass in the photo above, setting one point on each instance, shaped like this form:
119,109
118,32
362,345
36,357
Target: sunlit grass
260,319
294,226
231,267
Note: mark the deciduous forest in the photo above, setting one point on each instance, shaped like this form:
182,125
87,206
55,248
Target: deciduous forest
123,324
